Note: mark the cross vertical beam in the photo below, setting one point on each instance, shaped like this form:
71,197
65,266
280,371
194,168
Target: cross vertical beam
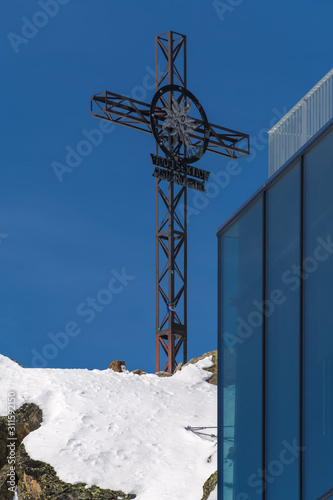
171,224
171,194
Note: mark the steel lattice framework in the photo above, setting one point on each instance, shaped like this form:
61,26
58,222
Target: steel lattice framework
171,200
171,228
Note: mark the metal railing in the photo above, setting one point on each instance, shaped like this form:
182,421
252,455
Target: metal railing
301,123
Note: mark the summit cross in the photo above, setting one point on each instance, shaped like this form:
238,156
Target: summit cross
182,132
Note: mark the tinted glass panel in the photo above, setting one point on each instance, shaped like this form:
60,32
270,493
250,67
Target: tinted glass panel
241,321
318,320
282,309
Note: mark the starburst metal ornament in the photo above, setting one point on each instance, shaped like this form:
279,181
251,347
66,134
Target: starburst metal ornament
180,136
178,124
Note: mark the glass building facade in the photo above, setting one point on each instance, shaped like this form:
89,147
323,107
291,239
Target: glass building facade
276,335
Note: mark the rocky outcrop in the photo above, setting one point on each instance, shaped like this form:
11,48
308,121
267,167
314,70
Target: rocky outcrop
209,486
3,441
212,369
28,418
5,494
163,374
139,372
35,479
118,366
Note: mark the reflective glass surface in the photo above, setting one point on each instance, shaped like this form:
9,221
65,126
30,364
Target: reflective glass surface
241,324
318,320
292,326
282,310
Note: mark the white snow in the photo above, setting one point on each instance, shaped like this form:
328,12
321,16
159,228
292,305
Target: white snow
213,495
119,430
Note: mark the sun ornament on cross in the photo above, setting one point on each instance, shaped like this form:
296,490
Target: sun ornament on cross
179,124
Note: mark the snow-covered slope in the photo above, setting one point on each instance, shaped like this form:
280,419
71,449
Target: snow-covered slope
119,430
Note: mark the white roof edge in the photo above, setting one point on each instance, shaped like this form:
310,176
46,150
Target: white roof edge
305,98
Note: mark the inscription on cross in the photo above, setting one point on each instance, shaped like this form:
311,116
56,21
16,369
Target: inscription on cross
182,132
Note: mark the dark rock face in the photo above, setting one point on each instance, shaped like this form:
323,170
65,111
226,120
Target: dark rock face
209,485
5,494
3,441
28,418
117,366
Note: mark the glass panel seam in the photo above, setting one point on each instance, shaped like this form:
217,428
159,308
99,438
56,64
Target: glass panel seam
264,268
301,330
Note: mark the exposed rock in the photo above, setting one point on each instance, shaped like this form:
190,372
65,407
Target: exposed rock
139,372
179,367
209,485
212,369
38,480
4,493
28,418
3,441
118,366
163,374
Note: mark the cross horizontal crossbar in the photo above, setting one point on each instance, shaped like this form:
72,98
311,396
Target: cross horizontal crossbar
132,113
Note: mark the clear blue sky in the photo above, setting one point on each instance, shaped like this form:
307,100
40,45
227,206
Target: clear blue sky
249,61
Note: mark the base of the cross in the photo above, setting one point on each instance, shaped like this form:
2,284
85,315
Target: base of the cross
171,342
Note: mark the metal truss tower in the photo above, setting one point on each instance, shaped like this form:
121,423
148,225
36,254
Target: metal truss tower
171,225
186,147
